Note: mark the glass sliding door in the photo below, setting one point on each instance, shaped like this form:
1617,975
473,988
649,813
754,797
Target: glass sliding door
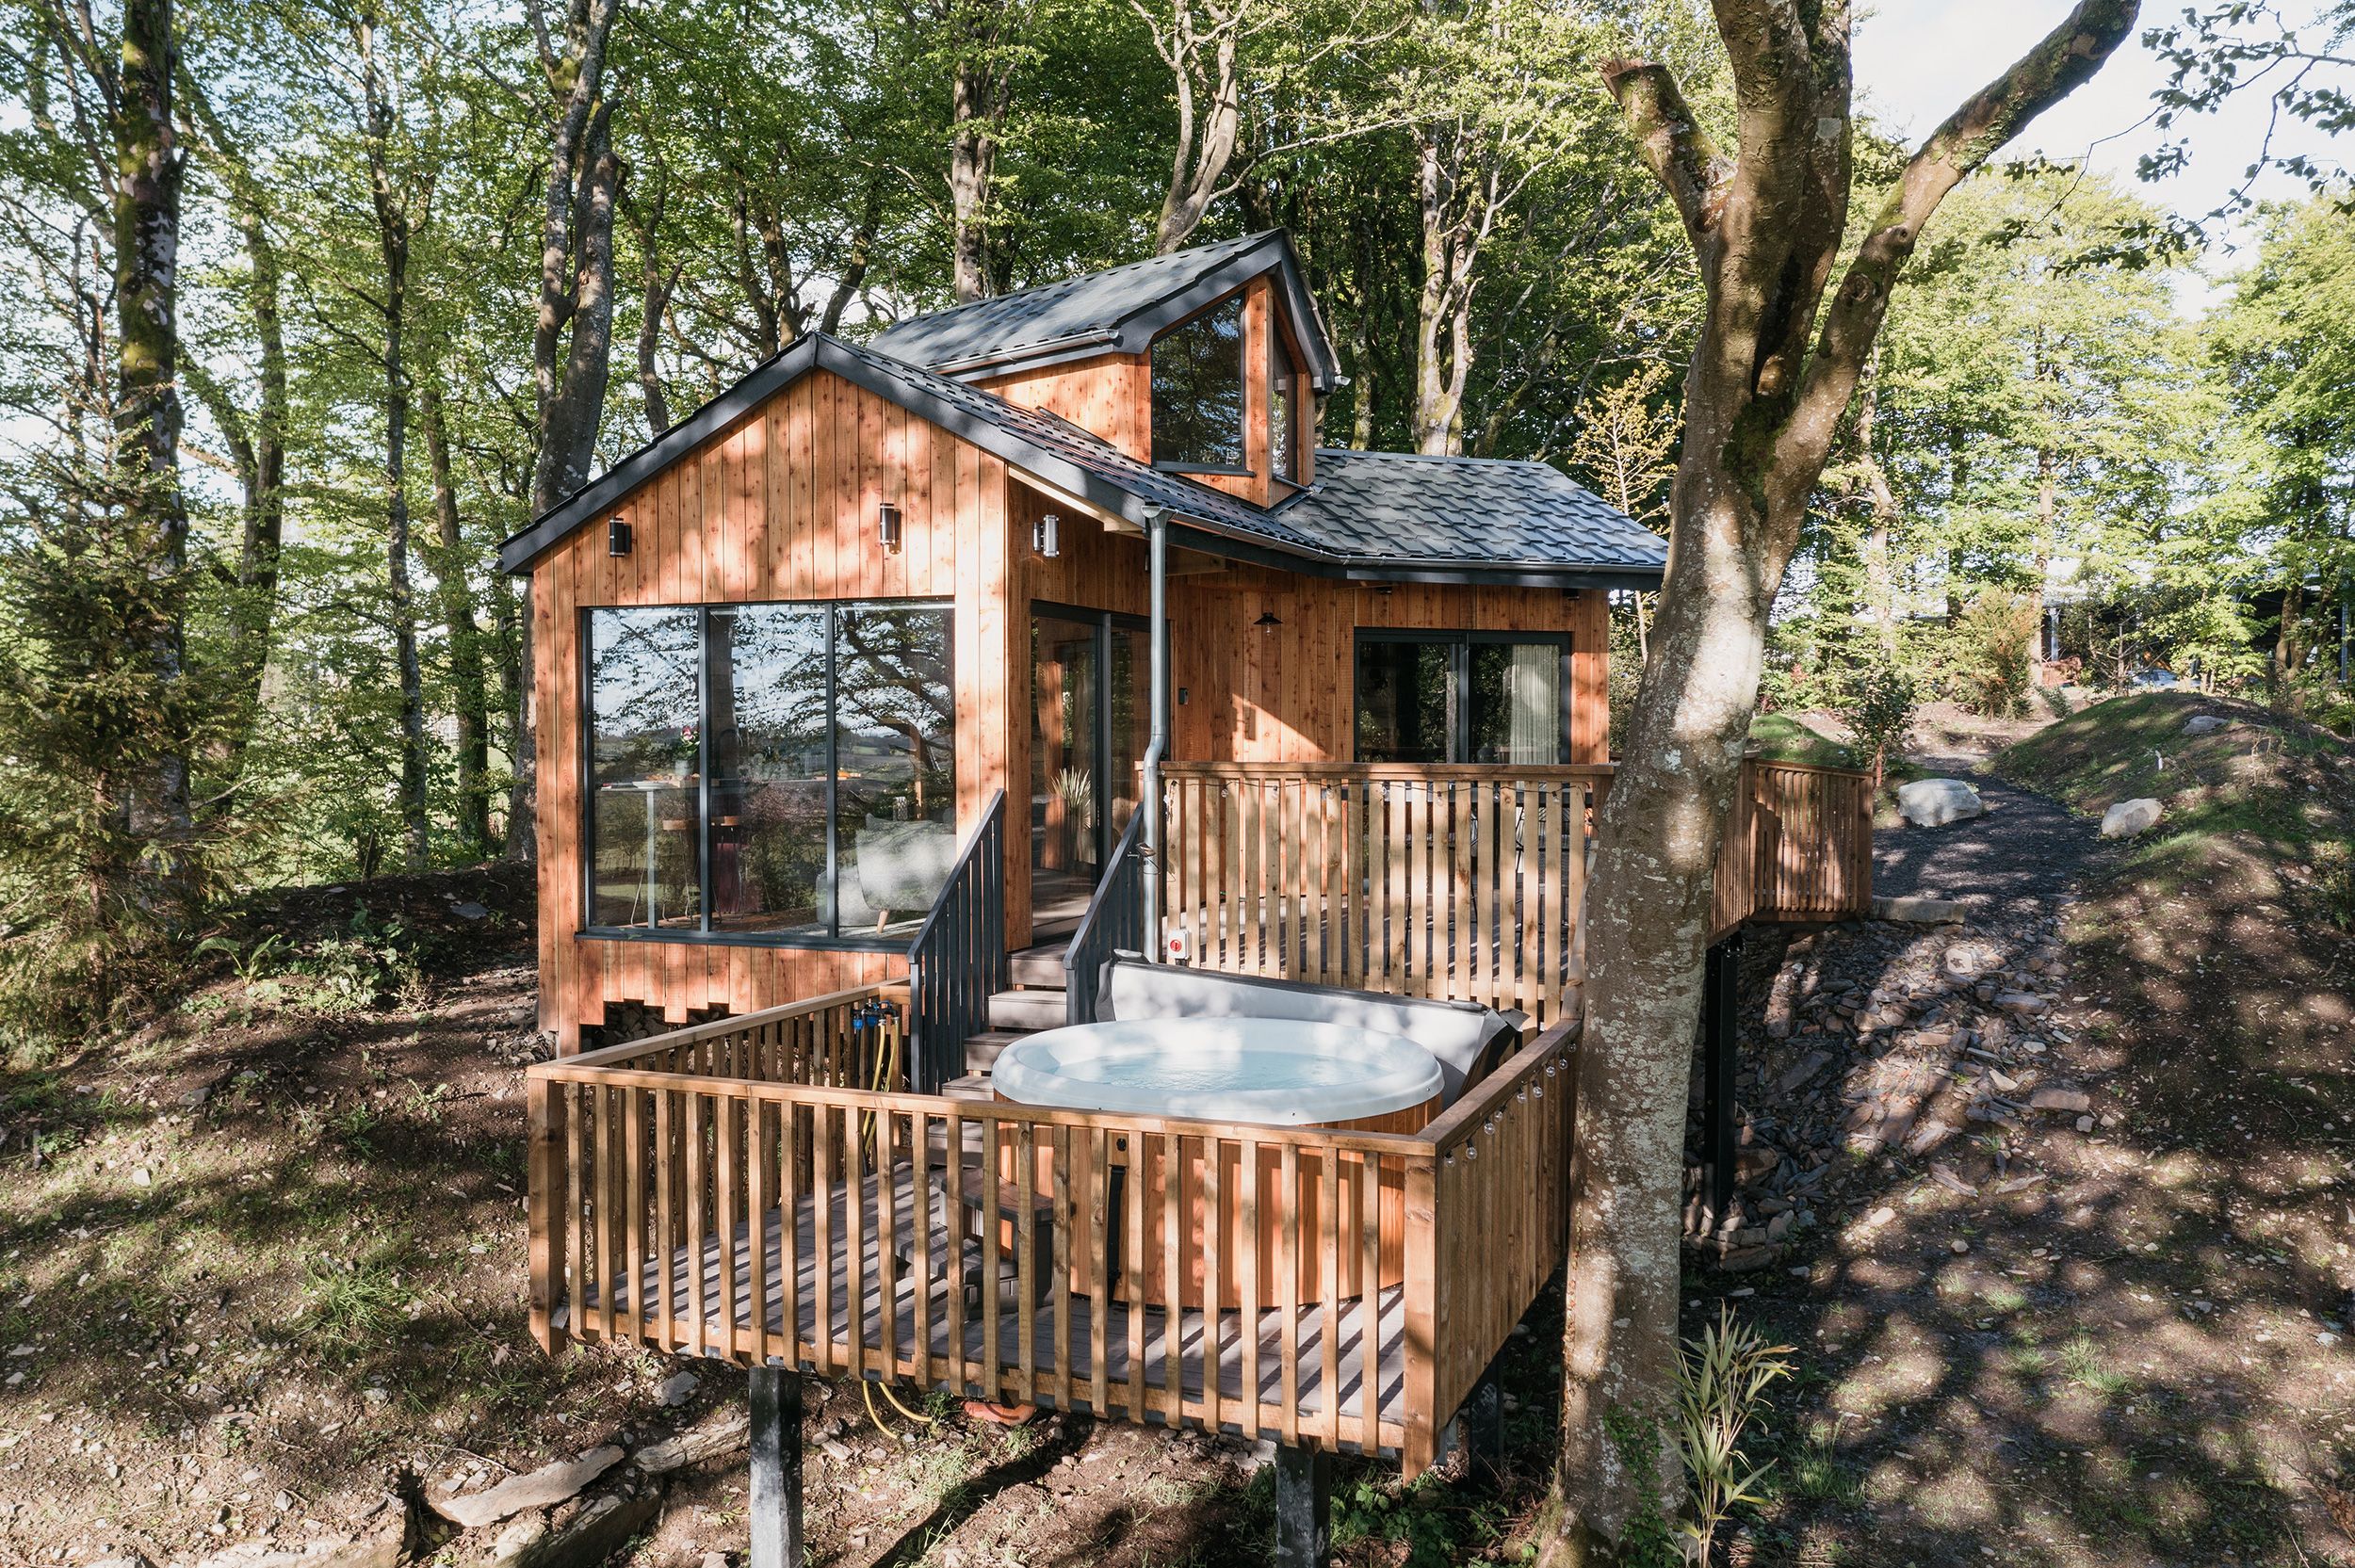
1066,687
1130,692
1405,700
1090,714
1450,697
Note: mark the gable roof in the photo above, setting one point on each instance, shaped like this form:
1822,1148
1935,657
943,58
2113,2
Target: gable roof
1510,521
1117,310
1402,507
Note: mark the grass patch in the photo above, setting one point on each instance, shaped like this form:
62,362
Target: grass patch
1780,737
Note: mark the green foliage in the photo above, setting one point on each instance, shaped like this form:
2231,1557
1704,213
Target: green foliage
353,971
1722,1380
1878,700
1650,1542
101,863
1983,660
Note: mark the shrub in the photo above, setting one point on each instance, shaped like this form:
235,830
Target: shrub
1722,1380
1987,669
1877,702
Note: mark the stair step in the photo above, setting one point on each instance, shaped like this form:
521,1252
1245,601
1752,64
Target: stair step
973,1086
1026,1009
980,1052
1040,966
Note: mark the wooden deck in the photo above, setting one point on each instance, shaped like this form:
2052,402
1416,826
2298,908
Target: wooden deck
688,1306
1389,1267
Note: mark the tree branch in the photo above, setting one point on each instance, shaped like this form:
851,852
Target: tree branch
2066,58
1679,152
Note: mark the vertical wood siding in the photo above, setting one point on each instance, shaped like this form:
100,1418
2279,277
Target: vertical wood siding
779,506
782,504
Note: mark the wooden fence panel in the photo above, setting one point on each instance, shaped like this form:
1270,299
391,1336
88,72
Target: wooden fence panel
1422,881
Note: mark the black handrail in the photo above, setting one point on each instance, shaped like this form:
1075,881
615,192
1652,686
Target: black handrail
1114,923
958,959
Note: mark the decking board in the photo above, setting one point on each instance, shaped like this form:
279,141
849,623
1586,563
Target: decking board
694,1275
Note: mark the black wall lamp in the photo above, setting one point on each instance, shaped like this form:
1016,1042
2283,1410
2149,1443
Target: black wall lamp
617,535
888,531
1047,536
1268,621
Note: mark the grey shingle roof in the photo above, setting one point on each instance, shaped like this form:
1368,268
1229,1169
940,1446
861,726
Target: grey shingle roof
1370,514
1117,309
1397,506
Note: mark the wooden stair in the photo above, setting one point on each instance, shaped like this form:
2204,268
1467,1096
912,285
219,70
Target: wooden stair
1035,1002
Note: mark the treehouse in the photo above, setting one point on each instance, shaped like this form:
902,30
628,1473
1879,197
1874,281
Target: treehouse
886,703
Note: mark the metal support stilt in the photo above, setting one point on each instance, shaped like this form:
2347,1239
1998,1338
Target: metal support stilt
776,1444
1303,1501
1720,1000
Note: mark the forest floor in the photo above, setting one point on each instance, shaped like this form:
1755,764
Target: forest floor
262,1266
2078,1291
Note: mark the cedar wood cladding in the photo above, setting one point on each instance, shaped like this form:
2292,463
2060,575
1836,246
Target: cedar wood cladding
781,505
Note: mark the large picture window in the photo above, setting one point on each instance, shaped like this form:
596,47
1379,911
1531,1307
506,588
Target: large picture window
1197,392
770,772
1437,697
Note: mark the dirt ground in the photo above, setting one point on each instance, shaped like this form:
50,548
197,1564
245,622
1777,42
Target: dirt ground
2130,1345
263,1267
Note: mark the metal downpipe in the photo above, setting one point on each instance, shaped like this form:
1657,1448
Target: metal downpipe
1157,744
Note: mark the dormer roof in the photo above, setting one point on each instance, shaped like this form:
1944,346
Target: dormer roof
1117,310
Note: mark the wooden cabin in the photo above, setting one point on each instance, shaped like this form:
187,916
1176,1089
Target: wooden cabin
853,762
784,654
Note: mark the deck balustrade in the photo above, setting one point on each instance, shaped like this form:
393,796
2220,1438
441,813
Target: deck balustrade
738,1190
1464,881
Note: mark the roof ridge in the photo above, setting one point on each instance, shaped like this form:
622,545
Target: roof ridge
1077,278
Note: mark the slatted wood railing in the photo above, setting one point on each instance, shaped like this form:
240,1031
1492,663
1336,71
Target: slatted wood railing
1466,881
1811,835
1316,1286
1460,881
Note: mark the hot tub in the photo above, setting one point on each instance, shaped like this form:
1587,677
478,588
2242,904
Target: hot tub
1274,1071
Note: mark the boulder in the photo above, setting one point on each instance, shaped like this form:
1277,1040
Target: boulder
1934,802
2129,818
2207,724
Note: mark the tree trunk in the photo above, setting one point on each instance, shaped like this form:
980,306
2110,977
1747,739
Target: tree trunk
149,169
394,222
1443,307
1776,364
464,633
1205,141
1880,589
972,159
575,291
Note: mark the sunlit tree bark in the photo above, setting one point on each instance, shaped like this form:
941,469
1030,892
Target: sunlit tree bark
1777,361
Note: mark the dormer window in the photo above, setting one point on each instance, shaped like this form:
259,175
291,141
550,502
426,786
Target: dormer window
1198,393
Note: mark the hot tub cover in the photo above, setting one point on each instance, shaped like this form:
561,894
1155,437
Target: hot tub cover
1276,1072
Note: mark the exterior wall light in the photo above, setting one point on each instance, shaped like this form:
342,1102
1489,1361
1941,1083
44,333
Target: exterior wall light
617,535
1268,621
888,531
1047,536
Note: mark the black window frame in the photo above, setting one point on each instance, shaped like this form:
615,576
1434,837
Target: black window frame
831,940
1459,644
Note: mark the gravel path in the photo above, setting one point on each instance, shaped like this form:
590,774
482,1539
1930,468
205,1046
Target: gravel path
2018,860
